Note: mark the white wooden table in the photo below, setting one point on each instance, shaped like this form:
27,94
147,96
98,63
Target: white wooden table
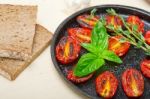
41,80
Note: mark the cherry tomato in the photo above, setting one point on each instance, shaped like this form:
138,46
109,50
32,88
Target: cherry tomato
67,50
133,83
145,67
106,84
81,34
76,79
147,37
114,20
135,20
117,47
87,21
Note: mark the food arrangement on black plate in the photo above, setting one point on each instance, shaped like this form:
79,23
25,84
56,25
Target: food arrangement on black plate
103,40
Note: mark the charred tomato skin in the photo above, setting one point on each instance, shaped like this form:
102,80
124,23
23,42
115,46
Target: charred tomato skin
132,82
83,35
75,79
87,21
106,84
147,37
135,20
114,20
117,47
67,50
145,67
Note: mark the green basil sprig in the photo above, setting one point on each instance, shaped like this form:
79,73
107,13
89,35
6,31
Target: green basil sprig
98,52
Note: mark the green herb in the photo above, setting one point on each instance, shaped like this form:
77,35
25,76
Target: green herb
130,34
98,52
111,56
92,14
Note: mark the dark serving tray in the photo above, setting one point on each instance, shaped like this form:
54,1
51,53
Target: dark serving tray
130,60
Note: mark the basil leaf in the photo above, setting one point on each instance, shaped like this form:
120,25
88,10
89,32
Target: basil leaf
111,56
87,64
90,62
104,44
91,48
99,36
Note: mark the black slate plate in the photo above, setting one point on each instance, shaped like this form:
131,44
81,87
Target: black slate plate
131,59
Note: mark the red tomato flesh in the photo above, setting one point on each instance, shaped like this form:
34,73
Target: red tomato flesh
147,37
106,84
133,83
114,20
75,79
83,35
145,67
87,21
117,47
135,20
67,50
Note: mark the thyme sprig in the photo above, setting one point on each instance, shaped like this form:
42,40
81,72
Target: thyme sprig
130,33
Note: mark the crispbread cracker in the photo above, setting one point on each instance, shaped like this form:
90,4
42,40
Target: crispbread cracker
11,68
17,30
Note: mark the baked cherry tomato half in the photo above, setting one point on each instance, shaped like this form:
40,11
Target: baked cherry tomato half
106,84
145,67
75,79
81,34
67,50
114,20
87,21
147,37
132,82
120,48
135,20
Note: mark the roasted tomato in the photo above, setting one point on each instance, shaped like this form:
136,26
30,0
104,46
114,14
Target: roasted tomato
147,37
67,50
81,34
135,20
117,47
145,67
87,21
106,84
133,83
76,79
114,20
